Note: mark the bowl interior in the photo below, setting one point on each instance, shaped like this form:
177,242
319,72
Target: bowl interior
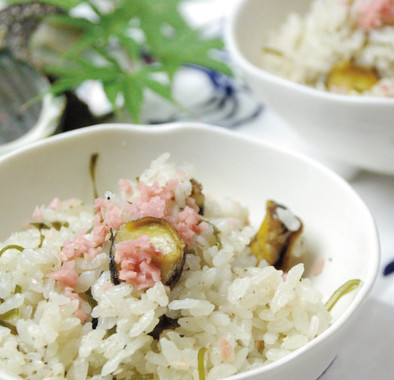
264,16
338,226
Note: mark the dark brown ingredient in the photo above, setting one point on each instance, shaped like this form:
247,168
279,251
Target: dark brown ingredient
163,237
274,240
165,323
350,76
198,195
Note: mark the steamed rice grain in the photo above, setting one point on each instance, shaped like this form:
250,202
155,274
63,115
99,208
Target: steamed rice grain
305,48
245,315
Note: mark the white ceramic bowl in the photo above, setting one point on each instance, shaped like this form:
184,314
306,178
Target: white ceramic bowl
355,130
338,225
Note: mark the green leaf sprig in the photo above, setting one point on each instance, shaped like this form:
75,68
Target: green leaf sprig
134,46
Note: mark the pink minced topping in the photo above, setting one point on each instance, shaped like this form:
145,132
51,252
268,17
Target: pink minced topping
110,212
233,223
100,231
385,87
155,206
126,186
339,89
155,200
147,192
375,14
227,352
37,213
135,259
55,203
66,276
180,172
79,313
318,266
187,224
78,247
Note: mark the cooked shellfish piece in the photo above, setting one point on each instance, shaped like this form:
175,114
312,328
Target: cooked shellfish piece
350,76
276,236
164,238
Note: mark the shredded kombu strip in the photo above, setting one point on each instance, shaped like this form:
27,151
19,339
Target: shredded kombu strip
347,287
40,226
11,246
92,170
112,265
165,323
9,326
201,365
94,323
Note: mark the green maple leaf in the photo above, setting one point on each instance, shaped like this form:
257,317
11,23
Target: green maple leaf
112,48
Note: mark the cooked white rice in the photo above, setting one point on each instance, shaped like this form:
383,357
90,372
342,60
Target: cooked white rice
306,47
245,315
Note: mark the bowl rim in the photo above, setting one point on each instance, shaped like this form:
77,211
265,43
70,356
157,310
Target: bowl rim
197,127
239,59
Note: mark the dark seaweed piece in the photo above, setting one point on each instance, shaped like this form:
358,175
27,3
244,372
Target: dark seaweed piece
92,302
18,289
165,323
112,265
9,326
44,226
92,170
9,314
94,323
58,225
89,297
4,317
40,226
